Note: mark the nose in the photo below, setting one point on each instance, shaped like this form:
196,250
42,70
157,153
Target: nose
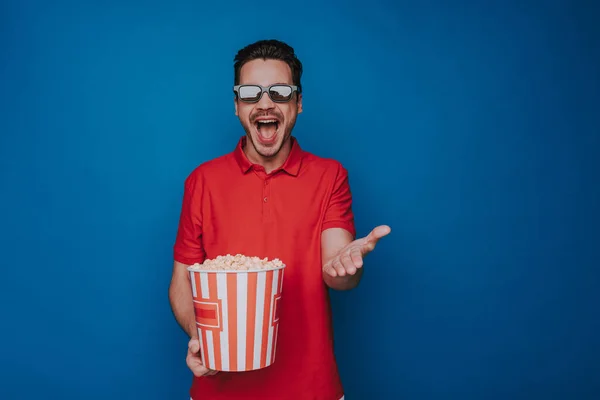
265,102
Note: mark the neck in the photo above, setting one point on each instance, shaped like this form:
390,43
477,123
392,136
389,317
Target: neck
270,164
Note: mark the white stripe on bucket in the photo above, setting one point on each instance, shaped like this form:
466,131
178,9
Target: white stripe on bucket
194,293
222,294
211,350
204,285
260,306
242,296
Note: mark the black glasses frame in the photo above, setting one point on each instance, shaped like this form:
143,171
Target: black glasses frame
267,89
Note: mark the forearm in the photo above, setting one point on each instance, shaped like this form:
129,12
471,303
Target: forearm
182,305
346,282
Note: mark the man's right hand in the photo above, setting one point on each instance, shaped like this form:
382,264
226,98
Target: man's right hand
193,360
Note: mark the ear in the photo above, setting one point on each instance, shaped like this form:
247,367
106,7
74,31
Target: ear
235,103
299,103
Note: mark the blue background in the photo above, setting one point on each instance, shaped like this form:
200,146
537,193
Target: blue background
471,129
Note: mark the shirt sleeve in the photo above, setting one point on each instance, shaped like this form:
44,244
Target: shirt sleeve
339,208
188,248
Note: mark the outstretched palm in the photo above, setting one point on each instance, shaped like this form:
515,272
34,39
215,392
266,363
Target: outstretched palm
350,258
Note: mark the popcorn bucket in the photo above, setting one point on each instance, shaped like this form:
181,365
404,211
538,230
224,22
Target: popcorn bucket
237,316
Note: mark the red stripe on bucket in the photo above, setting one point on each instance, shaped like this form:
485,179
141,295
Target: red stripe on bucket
232,319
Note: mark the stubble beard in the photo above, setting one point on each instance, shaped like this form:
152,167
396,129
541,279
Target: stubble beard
268,153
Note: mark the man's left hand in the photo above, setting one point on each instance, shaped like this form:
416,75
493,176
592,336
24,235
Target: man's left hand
350,259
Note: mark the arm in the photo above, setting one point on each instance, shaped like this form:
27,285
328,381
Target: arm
338,231
342,256
333,242
180,297
187,250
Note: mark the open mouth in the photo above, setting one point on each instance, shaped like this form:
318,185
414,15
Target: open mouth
267,129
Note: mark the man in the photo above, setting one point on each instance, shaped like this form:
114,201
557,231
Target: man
269,198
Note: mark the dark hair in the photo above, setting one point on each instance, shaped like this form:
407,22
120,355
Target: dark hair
268,49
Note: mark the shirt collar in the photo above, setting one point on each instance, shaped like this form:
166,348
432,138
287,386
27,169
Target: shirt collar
291,164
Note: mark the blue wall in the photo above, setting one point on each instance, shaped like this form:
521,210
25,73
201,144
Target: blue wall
472,130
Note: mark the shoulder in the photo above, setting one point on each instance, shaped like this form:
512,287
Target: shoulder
215,168
324,166
313,160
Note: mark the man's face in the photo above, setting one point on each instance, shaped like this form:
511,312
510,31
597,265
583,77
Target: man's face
267,138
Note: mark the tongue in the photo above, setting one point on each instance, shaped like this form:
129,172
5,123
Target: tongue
267,131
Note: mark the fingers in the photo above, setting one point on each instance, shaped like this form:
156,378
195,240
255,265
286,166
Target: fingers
356,257
346,263
329,270
334,268
339,268
194,346
373,237
351,259
194,361
378,232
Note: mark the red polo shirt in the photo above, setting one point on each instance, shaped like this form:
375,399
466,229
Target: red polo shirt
232,206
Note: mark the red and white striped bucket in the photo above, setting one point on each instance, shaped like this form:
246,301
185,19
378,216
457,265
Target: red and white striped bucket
237,317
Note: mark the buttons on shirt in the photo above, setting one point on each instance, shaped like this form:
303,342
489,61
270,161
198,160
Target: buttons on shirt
266,194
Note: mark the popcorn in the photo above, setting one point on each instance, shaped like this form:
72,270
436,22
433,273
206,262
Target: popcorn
238,262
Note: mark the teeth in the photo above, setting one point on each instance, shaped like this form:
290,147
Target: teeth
267,121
